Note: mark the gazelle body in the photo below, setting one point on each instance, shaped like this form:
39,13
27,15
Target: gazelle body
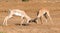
17,12
43,13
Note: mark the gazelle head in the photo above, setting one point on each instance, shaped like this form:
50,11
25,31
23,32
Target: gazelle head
33,20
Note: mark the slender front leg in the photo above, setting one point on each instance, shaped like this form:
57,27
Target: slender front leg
41,20
22,20
36,20
45,15
27,21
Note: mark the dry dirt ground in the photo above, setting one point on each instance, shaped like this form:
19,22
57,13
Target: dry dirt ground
30,7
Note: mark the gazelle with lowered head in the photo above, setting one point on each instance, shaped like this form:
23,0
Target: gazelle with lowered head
43,13
17,12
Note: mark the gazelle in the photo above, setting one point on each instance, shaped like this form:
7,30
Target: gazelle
43,13
17,12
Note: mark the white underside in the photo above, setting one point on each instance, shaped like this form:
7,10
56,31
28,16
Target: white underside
18,14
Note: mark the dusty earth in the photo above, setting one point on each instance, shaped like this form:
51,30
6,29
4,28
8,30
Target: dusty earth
30,7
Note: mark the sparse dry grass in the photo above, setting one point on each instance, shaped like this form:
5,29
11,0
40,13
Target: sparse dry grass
1,32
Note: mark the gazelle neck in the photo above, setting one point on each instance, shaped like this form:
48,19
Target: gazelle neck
28,17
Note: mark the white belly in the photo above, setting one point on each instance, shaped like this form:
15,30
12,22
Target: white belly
18,14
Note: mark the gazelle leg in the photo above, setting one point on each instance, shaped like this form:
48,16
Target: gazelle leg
45,19
6,18
49,16
22,20
41,20
27,21
45,15
5,21
37,19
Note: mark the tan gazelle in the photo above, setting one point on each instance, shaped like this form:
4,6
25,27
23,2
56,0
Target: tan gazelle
17,12
43,13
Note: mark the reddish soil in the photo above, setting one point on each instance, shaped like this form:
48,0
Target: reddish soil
30,7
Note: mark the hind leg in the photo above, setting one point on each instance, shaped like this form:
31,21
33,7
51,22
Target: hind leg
45,19
49,16
5,20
